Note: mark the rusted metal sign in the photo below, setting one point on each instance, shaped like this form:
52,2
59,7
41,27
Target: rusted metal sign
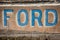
30,18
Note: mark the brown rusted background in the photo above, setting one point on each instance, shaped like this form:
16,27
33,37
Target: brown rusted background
12,25
14,32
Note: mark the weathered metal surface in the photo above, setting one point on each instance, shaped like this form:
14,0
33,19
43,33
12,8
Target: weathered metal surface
12,25
14,32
